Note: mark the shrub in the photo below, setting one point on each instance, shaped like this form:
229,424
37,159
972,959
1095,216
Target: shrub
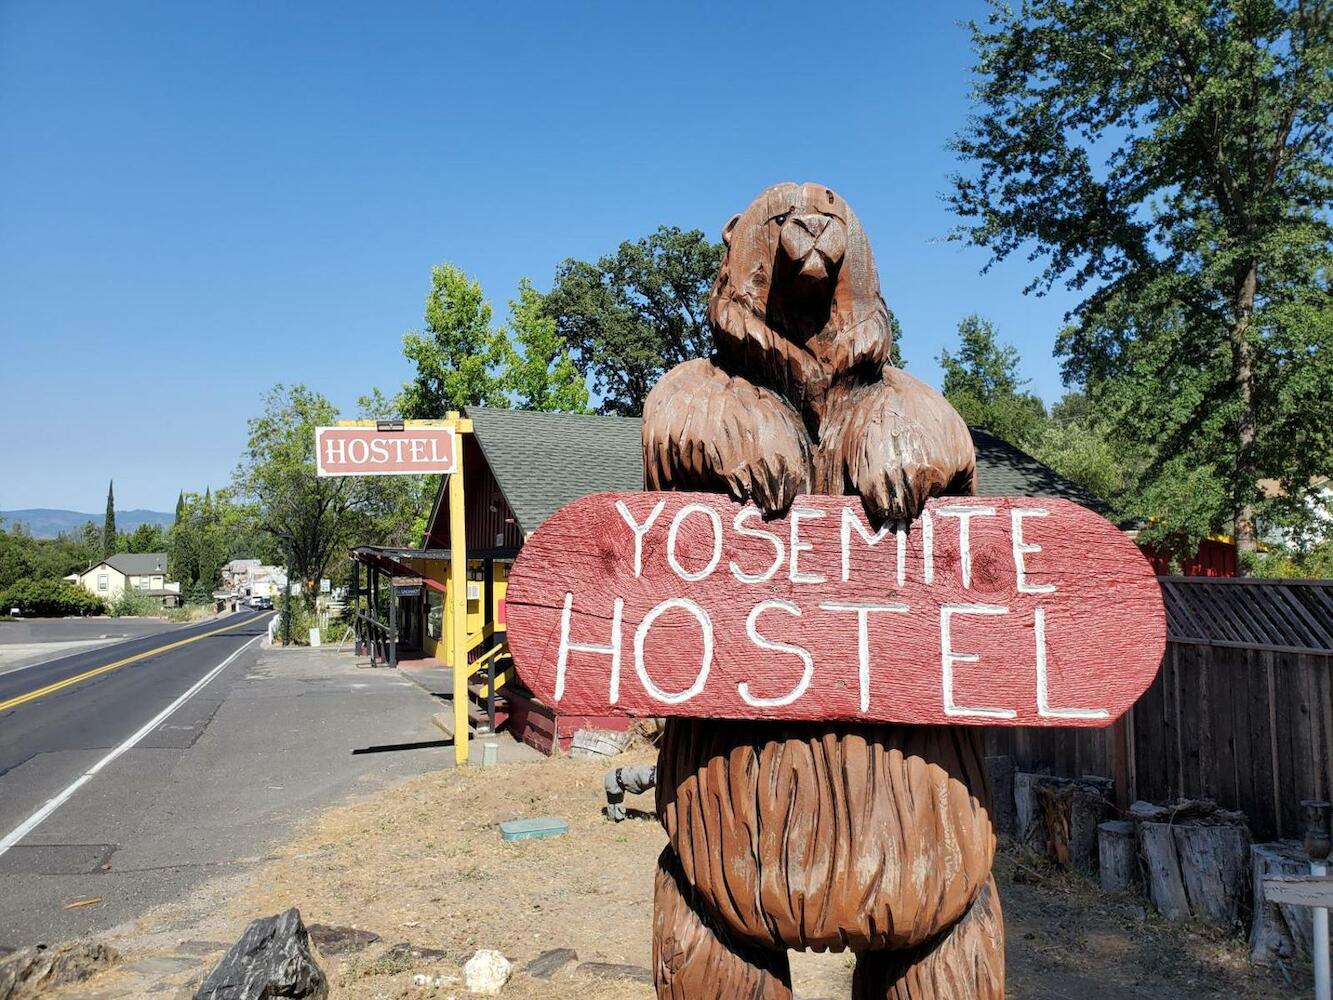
49,598
304,619
135,604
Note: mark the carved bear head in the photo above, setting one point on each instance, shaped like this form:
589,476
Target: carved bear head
798,267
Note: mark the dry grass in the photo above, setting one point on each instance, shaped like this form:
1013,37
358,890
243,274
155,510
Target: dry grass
423,862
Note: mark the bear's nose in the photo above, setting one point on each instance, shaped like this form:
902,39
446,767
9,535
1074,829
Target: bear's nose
812,224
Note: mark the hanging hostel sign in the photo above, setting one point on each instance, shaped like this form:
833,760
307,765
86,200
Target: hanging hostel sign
984,611
386,448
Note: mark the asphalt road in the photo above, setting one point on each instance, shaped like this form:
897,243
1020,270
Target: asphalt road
59,718
28,641
95,832
14,630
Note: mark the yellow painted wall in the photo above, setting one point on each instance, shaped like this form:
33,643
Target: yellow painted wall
438,570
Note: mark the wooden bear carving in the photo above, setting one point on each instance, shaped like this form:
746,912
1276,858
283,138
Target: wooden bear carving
874,838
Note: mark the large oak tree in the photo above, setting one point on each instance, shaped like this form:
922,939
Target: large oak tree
1170,161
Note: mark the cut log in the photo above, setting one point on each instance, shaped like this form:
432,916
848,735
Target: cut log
1071,811
1197,869
1029,829
1278,930
1093,801
1118,855
1000,770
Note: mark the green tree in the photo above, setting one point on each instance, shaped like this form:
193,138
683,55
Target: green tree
109,523
538,369
456,354
635,313
147,537
198,543
982,382
1170,161
312,519
1076,443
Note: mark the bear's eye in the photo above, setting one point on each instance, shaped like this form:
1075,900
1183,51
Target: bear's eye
780,219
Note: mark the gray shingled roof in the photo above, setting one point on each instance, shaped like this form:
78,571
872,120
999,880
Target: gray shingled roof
543,461
139,563
1006,471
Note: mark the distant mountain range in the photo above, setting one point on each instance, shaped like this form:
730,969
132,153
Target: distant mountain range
44,522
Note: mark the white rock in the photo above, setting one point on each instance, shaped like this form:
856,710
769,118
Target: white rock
486,972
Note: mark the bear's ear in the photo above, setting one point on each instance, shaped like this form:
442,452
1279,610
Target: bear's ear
726,230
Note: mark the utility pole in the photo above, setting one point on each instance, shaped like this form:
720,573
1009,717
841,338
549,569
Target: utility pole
287,609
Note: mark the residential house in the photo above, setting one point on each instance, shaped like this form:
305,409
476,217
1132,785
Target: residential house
145,572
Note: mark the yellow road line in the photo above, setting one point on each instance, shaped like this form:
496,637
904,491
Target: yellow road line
97,671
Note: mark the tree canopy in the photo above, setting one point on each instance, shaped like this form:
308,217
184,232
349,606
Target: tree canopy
539,373
982,382
456,353
1169,161
314,520
109,523
633,314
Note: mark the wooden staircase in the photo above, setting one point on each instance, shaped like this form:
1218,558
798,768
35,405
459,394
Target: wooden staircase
489,675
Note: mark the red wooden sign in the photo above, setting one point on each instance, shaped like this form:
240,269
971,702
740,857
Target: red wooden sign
367,451
985,611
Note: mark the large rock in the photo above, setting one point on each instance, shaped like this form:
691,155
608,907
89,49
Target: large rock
29,972
272,959
486,972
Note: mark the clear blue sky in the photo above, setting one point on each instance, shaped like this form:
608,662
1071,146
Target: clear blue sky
200,200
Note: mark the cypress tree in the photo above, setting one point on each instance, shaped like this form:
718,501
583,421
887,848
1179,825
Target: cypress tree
109,525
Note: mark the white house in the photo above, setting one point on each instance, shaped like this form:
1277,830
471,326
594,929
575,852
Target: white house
142,571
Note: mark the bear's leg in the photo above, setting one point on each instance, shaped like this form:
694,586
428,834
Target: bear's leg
965,963
692,958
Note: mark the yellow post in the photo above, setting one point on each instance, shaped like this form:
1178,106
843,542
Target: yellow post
458,601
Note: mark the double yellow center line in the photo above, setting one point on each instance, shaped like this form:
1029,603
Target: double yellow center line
98,671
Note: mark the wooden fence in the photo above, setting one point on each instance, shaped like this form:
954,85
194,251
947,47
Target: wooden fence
1245,724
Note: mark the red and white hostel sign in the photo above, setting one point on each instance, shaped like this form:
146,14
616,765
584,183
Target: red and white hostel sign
986,611
367,451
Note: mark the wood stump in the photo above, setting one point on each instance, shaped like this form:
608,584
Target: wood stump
1278,931
1197,861
1000,771
1059,817
1029,828
1118,855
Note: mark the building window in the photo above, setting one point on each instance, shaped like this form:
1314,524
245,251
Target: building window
101,581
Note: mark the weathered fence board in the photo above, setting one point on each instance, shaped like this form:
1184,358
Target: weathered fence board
1250,728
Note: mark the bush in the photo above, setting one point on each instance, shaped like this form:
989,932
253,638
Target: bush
135,604
304,619
49,598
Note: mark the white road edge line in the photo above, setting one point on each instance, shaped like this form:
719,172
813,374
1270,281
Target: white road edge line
37,818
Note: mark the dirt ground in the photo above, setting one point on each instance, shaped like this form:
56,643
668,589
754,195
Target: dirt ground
423,863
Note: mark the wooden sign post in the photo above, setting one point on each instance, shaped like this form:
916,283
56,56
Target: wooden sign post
1000,611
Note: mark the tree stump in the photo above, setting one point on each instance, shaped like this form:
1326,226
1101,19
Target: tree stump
1117,855
1278,931
1000,771
1029,828
1197,868
1071,811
